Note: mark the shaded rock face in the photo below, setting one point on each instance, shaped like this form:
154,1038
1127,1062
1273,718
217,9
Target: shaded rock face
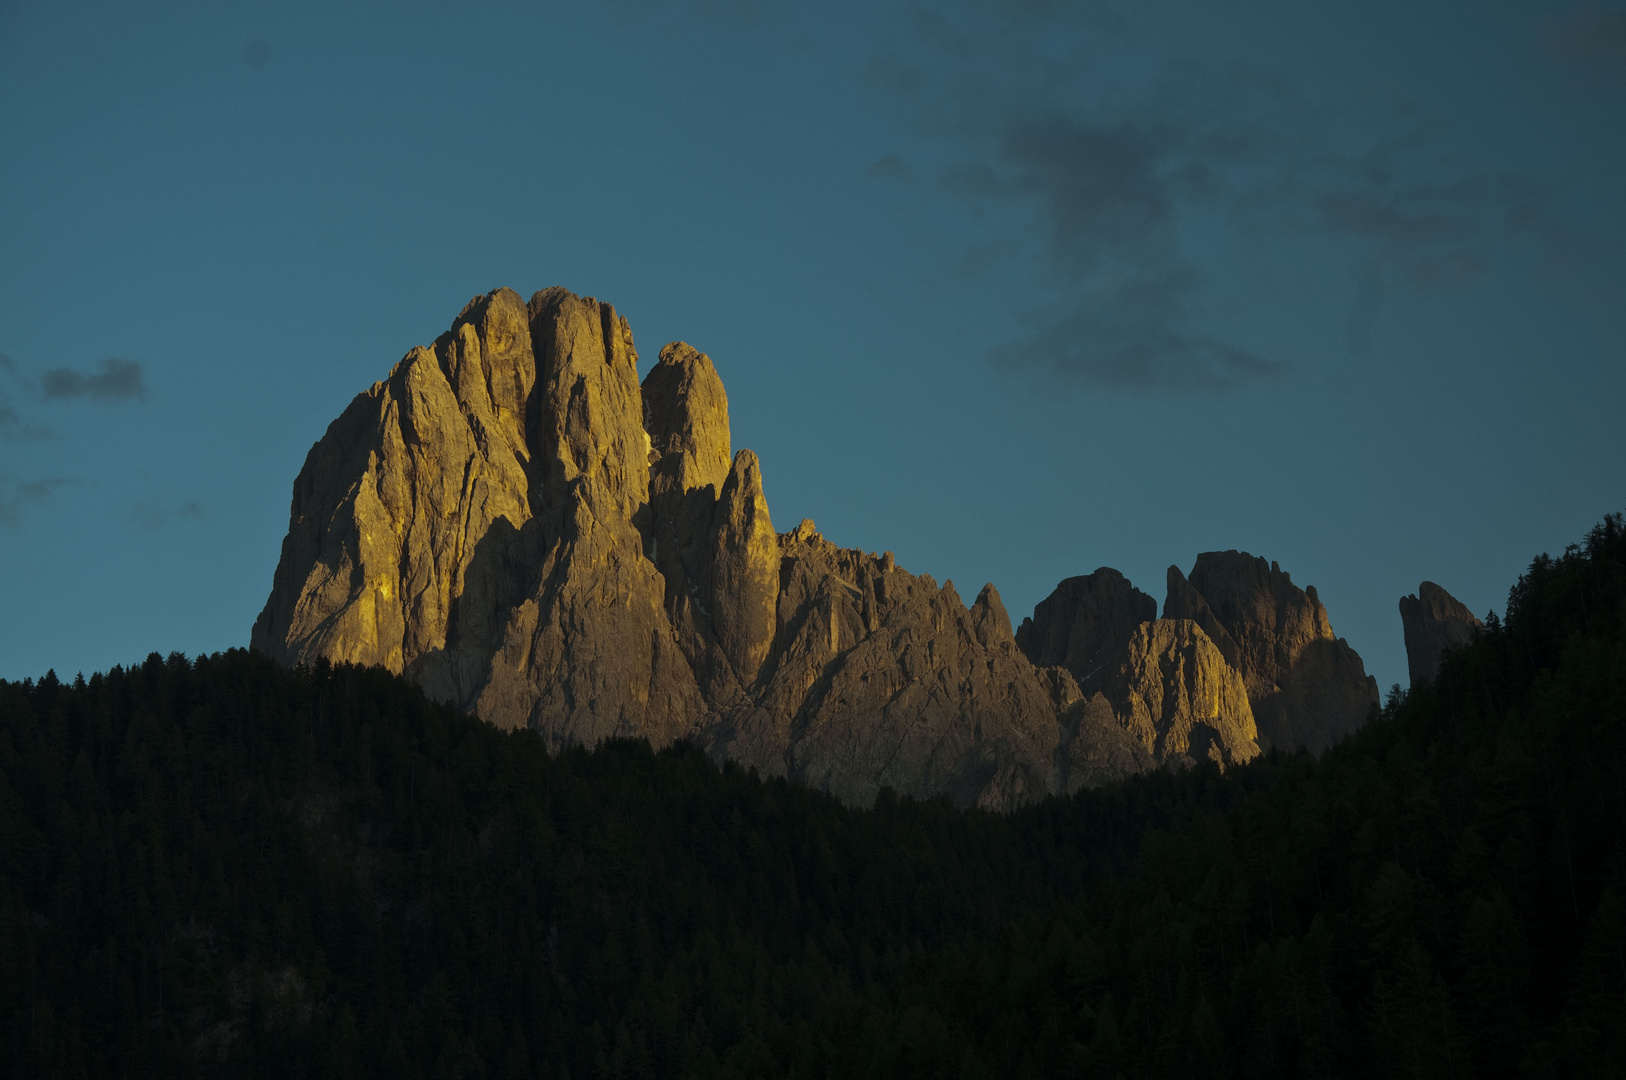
871,664
1434,621
1086,623
1307,687
513,521
1097,747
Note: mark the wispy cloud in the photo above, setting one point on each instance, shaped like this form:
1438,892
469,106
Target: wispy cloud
118,380
891,167
18,496
13,424
158,511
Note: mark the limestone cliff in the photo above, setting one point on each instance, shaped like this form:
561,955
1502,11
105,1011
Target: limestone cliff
1161,682
515,522
1174,692
878,677
469,522
1308,688
1434,621
1086,622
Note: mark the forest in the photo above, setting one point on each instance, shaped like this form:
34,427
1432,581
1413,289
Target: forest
222,867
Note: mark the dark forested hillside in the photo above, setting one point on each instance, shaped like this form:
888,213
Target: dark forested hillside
227,866
223,867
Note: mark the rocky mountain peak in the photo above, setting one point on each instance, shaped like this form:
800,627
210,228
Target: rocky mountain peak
1308,688
686,415
1434,621
1085,623
587,420
1177,695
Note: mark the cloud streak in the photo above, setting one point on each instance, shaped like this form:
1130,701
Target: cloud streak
118,380
155,513
17,496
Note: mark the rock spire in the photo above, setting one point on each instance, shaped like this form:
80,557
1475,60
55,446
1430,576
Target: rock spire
1434,621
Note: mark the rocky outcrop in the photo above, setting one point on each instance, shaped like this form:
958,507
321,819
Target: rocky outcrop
1434,621
1085,623
1161,682
1307,687
710,534
1175,694
1097,748
514,522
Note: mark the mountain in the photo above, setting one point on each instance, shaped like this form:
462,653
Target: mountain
1434,621
515,523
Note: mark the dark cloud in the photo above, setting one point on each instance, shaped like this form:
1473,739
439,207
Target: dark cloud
1103,192
256,54
1588,33
1132,335
118,380
17,496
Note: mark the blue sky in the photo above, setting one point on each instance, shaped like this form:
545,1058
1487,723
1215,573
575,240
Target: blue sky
1012,288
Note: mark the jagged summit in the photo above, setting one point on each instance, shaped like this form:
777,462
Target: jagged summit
515,522
1308,688
1434,621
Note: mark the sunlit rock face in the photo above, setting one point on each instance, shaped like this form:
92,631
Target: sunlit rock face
1086,622
470,522
1434,621
1307,687
516,523
1176,694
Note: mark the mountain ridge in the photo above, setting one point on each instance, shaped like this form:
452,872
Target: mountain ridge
517,523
